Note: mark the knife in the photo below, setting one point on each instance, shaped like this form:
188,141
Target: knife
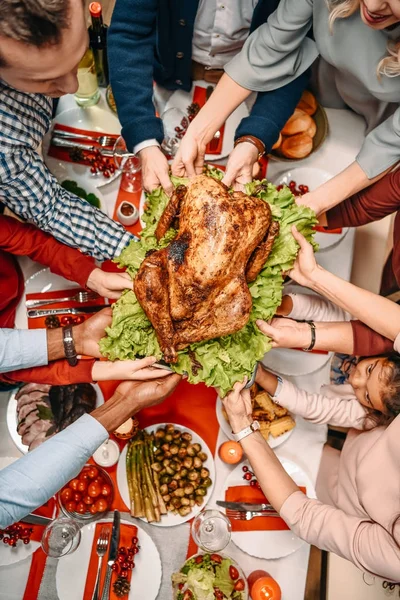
62,143
32,519
244,506
112,555
34,314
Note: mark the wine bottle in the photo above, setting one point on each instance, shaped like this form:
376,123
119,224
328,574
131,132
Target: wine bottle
98,43
88,92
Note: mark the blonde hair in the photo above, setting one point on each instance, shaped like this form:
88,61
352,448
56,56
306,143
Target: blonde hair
389,65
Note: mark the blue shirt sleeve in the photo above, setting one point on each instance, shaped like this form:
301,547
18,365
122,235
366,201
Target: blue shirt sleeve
33,479
22,349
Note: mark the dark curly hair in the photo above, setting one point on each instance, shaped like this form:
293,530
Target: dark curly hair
391,393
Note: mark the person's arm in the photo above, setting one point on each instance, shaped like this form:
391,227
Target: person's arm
310,308
33,479
316,408
33,193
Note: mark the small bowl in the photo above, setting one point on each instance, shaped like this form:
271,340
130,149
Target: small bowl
88,516
127,219
100,456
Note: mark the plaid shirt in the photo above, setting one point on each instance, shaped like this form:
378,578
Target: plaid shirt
29,189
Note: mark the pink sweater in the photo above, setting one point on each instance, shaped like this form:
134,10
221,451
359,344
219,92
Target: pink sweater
357,515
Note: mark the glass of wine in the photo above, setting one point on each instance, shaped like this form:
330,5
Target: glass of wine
61,537
175,123
130,166
211,530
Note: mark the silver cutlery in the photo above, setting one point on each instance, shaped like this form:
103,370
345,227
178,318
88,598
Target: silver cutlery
239,515
32,519
101,549
80,297
34,314
112,555
63,143
103,140
243,506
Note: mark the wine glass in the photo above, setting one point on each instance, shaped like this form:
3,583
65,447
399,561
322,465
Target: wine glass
211,530
61,537
175,123
129,164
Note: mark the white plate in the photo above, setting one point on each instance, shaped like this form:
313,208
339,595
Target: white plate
286,361
270,544
182,100
223,423
170,519
12,421
313,177
93,118
146,576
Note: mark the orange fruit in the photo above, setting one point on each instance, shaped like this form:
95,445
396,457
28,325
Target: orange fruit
230,452
266,588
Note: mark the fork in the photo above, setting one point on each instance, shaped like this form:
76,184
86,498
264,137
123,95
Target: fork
103,140
101,549
241,515
80,297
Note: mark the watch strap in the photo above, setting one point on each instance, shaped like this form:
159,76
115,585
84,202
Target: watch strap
251,139
313,336
254,426
69,346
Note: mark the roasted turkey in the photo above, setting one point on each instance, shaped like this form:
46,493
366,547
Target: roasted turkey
196,288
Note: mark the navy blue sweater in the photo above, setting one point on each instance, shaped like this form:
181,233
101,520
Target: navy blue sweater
144,41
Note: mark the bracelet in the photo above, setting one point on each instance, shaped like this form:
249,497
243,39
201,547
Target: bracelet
252,140
313,337
69,346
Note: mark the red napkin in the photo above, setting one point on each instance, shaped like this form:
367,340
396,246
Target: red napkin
199,97
246,493
125,539
325,230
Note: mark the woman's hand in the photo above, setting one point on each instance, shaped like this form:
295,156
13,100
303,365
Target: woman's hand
237,404
286,333
128,370
109,285
305,269
189,160
313,200
155,170
241,163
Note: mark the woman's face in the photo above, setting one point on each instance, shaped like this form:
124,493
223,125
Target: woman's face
379,14
368,379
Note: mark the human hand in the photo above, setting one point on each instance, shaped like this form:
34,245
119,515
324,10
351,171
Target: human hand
109,285
127,370
313,200
88,334
305,269
189,160
237,404
155,170
241,163
142,394
286,333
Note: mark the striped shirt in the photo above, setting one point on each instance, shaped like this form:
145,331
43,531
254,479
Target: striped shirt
29,189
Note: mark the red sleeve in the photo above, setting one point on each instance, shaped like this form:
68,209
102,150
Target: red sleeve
368,342
27,240
375,202
58,372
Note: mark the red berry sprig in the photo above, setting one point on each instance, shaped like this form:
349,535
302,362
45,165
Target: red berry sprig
250,477
11,534
125,561
100,163
296,191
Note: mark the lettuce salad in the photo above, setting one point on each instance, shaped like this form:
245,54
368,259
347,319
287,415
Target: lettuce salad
223,361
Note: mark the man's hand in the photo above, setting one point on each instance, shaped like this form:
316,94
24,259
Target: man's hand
88,334
127,370
155,170
142,394
286,333
109,285
241,163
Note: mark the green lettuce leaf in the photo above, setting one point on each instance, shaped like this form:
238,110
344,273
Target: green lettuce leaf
223,361
223,580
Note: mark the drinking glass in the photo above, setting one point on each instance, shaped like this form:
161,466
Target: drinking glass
61,537
211,530
130,166
175,123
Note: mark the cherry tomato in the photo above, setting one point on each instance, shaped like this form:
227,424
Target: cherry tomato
77,497
87,500
181,586
82,486
81,508
84,476
218,594
66,495
198,559
70,506
99,480
101,505
66,321
93,509
216,558
188,595
105,490
239,585
233,573
73,484
94,490
92,472
79,319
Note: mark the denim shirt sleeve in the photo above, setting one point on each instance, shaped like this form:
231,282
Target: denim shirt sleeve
22,349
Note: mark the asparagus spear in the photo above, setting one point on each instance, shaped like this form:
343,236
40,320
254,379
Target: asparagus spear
137,484
129,476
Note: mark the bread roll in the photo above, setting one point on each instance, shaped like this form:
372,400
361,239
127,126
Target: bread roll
277,143
307,103
297,146
299,122
312,130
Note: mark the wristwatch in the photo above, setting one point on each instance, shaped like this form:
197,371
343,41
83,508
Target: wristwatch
254,426
69,346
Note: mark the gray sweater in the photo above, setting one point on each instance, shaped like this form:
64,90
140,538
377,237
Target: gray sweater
344,74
